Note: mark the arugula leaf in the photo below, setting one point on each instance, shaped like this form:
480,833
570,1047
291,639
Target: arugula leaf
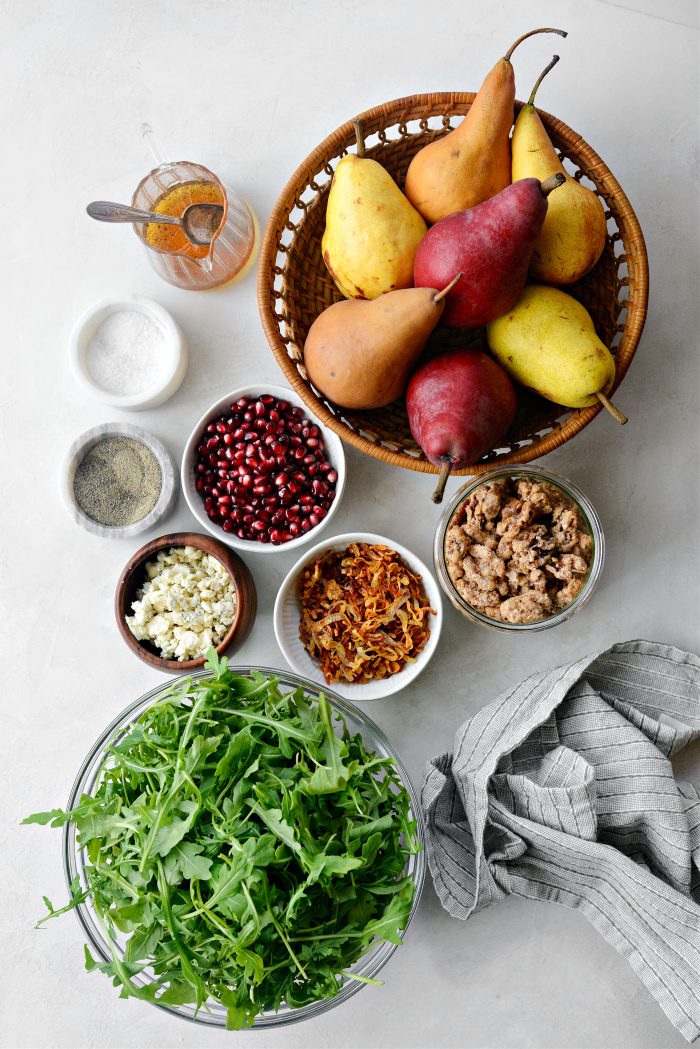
169,834
241,846
185,861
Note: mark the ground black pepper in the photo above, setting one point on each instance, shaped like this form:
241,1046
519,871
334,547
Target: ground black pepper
118,481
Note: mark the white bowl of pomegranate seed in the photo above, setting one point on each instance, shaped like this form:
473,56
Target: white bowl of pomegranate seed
260,472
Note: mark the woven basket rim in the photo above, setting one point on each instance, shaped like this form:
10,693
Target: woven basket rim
338,139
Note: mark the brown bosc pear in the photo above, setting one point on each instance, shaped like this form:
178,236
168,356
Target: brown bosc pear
574,230
472,163
360,353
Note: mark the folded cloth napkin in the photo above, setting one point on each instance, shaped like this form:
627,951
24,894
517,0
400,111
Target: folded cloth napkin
562,789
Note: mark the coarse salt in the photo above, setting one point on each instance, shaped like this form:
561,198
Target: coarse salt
127,353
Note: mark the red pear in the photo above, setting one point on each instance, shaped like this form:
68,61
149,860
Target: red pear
492,245
459,406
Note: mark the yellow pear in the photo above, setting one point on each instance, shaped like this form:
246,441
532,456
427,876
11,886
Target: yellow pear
372,231
472,163
360,354
574,231
548,343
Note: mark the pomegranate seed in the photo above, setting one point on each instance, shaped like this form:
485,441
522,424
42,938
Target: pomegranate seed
261,470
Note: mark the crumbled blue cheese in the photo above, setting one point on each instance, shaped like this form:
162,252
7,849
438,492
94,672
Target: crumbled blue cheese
186,604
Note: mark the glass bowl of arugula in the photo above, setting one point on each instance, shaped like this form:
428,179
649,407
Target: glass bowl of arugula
242,848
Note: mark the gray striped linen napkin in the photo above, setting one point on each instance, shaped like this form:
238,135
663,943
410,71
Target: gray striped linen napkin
562,789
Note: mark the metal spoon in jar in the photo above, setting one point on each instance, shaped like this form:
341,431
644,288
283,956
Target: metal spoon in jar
199,222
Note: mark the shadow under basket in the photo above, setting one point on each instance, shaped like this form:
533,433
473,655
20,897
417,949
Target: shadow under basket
294,286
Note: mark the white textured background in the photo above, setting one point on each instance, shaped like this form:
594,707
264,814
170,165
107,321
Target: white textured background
249,88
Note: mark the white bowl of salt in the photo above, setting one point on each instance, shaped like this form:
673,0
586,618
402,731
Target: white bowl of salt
129,353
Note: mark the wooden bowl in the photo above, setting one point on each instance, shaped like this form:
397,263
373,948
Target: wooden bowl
294,286
133,577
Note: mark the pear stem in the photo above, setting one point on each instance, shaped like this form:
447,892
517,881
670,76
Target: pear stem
613,409
557,179
543,74
445,291
359,136
442,479
532,32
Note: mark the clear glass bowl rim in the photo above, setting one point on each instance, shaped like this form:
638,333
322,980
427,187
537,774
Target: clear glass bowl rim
369,965
583,503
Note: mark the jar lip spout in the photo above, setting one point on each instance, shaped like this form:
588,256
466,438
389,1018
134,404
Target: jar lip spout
589,514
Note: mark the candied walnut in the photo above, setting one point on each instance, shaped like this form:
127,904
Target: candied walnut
490,498
505,547
537,580
456,546
572,589
472,528
567,566
584,546
529,549
475,575
528,607
489,563
533,493
475,596
517,580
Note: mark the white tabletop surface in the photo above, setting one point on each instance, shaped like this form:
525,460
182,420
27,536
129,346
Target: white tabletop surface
249,88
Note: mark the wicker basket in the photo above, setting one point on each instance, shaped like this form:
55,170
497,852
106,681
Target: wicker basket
294,286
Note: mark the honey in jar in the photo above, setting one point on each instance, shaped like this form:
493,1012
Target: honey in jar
174,201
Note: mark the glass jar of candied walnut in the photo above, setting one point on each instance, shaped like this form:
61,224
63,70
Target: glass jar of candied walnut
519,549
